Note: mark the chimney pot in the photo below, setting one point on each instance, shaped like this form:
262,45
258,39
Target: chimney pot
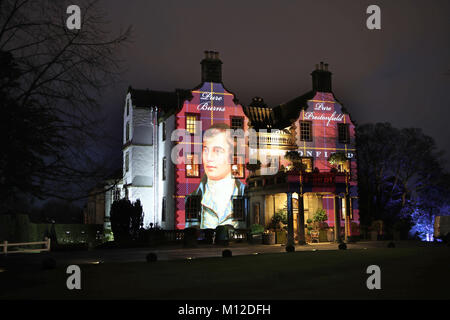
321,78
211,67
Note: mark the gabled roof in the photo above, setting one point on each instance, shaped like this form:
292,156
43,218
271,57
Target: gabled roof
168,102
288,112
262,116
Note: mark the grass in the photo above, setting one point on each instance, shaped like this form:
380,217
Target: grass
406,273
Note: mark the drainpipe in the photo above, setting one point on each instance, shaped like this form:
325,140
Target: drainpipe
290,217
155,167
337,220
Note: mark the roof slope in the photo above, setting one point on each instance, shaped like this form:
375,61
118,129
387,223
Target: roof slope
168,102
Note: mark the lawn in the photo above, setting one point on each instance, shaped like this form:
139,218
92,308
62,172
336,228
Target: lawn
406,273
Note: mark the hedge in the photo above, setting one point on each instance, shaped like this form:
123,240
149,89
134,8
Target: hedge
19,229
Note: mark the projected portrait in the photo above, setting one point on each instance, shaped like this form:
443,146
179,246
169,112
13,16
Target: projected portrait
218,199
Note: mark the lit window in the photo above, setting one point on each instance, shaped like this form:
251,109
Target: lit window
193,204
237,123
344,167
237,168
308,162
191,120
305,131
192,166
343,133
238,208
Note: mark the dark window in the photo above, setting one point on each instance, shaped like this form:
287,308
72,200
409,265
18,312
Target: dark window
193,204
191,119
163,131
163,213
116,194
128,107
238,208
305,131
127,132
237,123
164,168
127,162
343,133
192,166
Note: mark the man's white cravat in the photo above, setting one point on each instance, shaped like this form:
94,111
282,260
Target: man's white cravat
221,191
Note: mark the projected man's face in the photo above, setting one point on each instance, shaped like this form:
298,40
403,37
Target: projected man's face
216,156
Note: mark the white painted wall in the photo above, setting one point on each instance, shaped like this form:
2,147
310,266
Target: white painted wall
166,188
141,149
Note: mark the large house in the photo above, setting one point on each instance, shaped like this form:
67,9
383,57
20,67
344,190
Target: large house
160,127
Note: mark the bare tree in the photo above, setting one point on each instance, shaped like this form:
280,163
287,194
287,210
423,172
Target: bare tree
395,168
50,81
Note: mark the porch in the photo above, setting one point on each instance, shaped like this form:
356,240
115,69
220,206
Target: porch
312,202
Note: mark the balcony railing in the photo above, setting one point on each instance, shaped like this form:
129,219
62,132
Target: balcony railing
326,179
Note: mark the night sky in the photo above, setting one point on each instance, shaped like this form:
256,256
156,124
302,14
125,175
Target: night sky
399,74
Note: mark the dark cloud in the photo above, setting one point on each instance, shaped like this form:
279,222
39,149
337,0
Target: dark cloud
397,74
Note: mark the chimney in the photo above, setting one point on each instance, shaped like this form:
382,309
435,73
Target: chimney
211,67
321,78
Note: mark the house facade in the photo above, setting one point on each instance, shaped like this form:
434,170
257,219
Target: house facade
164,164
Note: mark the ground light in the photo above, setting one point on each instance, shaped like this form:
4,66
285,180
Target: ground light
2,270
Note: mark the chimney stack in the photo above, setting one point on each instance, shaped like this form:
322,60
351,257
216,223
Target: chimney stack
321,78
211,67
